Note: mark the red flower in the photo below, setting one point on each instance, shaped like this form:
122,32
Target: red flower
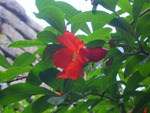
145,110
73,57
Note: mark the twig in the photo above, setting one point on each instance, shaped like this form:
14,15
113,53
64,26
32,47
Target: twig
16,79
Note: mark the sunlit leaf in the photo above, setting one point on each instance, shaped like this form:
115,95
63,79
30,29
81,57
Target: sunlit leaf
27,43
25,59
46,36
54,16
20,91
3,62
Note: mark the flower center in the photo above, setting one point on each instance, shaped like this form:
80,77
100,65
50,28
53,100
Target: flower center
74,56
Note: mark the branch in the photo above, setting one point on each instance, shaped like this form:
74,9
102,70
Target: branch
18,78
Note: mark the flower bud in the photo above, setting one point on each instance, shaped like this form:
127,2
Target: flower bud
111,42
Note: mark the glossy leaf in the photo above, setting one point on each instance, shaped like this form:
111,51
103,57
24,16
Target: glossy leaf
130,69
90,17
83,106
143,25
41,104
48,76
3,62
137,78
83,27
101,34
125,5
11,73
68,9
50,50
137,7
142,102
40,4
46,36
96,43
144,70
20,91
25,59
108,4
54,16
33,77
27,43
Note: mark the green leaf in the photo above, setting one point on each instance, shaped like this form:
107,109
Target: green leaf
108,4
48,76
146,60
118,23
2,76
96,43
3,62
101,34
20,91
50,50
82,26
27,43
137,78
33,77
68,9
41,104
25,59
28,109
142,102
54,16
137,7
143,26
42,4
13,72
98,82
46,36
144,70
127,38
8,109
125,5
57,100
130,69
82,107
100,17
79,85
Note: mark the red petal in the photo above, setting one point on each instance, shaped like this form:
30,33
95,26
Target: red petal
62,58
70,41
73,71
95,54
81,56
145,110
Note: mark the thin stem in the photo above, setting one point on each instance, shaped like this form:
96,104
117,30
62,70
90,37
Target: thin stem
132,32
16,79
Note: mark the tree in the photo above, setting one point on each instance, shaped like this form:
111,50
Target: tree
119,83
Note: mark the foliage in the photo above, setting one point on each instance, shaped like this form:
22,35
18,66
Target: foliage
118,84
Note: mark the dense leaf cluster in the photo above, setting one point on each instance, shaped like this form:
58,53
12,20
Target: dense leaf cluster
118,84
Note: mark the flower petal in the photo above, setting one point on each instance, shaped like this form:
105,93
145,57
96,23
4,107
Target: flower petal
73,71
62,58
70,41
95,54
